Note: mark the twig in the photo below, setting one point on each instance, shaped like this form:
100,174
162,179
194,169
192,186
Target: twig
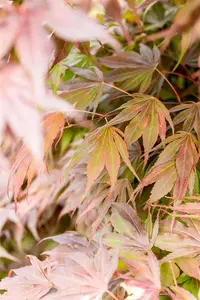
175,92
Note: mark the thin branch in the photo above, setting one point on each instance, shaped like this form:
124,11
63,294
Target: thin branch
175,92
179,74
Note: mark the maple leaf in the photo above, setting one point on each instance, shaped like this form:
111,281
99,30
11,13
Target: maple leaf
32,43
189,116
182,241
173,168
34,47
42,194
148,119
98,202
25,165
53,127
84,92
70,198
24,28
20,110
132,70
129,232
147,278
30,282
105,146
56,18
69,242
90,275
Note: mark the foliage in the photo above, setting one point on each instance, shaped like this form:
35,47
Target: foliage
100,144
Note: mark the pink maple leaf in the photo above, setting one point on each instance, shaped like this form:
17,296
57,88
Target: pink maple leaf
19,108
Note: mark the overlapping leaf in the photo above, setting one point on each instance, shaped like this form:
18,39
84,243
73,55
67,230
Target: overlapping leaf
30,279
88,189
182,242
105,146
146,282
133,70
174,167
29,19
148,119
129,233
19,107
25,166
34,49
190,207
81,274
98,203
84,92
189,116
40,205
90,276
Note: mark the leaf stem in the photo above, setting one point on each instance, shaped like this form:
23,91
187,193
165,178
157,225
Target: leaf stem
90,113
175,92
179,74
117,88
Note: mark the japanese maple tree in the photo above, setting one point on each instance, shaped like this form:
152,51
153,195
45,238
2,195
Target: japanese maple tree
99,149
